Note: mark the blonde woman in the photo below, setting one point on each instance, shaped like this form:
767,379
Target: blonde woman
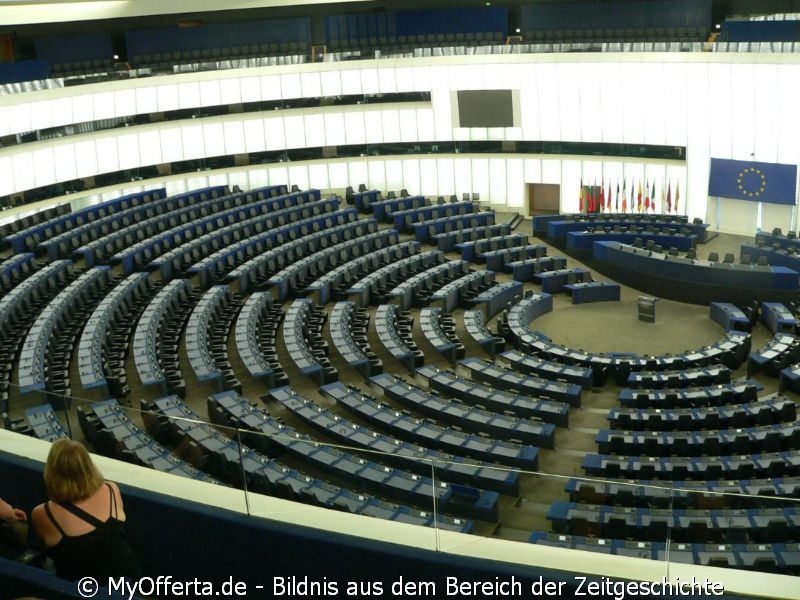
82,525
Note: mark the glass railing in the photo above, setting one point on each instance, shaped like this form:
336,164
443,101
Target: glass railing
420,52
745,518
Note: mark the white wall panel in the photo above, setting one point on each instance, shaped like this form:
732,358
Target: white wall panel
61,109
234,137
250,89
369,81
765,113
331,83
295,136
529,111
146,101
271,87
125,102
411,176
478,134
515,186
291,86
391,125
480,177
172,144
189,95
373,126
230,91
167,98
445,177
298,175
551,171
318,176
533,170
394,175
357,173
376,178
788,91
386,81
209,93
428,177
214,139
742,102
311,85
338,175
274,133
571,92
334,129
44,171
150,148
177,186
442,113
104,105
571,171
278,175
612,101
549,112
240,178
64,158
652,99
23,170
128,150
7,183
85,158
635,108
590,99
354,128
41,115
425,124
314,126
193,146
404,79
674,107
408,124
258,178
720,109
497,180
107,158
351,82
462,171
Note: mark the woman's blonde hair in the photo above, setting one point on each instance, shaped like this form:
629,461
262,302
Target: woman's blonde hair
70,475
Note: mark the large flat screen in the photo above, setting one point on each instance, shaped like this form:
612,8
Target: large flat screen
485,108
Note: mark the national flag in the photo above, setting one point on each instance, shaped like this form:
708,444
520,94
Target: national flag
602,196
580,199
625,196
616,202
653,197
677,195
663,197
639,197
608,201
669,197
646,197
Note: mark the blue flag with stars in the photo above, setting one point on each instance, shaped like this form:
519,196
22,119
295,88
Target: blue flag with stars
756,181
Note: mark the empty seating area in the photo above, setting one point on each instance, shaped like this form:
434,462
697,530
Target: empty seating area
348,330
376,286
256,331
393,328
104,341
279,277
302,336
449,467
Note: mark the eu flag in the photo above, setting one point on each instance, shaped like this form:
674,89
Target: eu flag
757,181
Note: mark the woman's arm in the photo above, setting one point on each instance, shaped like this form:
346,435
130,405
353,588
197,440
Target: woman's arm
9,513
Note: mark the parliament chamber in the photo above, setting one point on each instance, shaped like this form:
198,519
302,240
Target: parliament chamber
288,283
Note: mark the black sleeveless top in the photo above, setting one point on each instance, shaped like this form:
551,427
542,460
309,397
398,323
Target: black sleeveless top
100,553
